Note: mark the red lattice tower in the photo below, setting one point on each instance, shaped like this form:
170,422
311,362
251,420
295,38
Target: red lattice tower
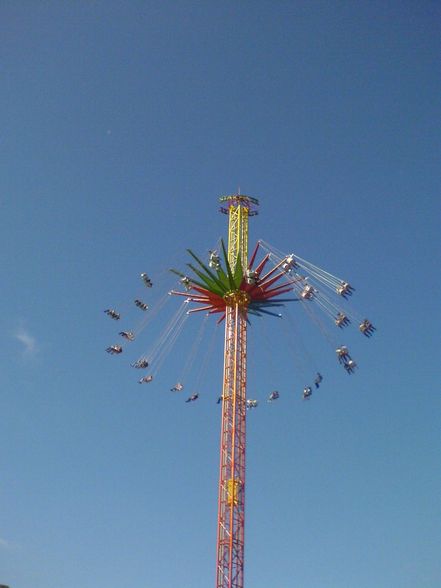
234,290
231,506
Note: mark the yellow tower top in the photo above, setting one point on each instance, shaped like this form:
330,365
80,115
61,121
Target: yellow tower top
239,208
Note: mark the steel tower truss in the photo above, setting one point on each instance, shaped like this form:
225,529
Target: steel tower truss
231,501
234,290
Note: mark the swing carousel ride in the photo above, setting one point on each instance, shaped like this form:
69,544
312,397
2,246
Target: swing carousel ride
236,290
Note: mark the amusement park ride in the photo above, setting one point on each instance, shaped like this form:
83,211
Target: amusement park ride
235,287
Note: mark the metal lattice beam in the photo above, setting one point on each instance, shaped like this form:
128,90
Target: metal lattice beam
231,502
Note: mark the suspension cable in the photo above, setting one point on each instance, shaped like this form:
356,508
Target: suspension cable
157,359
193,350
207,357
155,348
301,356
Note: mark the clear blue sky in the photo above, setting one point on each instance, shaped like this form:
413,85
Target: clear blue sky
122,122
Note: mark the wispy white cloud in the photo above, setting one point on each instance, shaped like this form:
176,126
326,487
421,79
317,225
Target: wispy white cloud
9,545
29,342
